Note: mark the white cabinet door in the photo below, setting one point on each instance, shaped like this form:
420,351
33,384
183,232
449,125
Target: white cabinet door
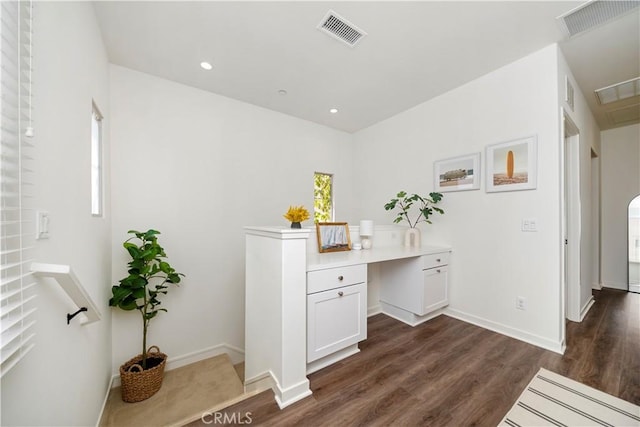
336,319
435,293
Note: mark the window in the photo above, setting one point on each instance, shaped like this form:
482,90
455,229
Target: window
322,197
17,231
96,162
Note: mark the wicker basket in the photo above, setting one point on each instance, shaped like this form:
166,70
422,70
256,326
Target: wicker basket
139,384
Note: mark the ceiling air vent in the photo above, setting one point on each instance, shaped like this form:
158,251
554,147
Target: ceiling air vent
618,91
594,13
341,29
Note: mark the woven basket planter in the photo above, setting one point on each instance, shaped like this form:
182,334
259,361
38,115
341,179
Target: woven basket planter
138,384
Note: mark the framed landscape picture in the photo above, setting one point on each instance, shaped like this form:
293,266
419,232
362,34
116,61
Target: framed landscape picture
512,165
457,173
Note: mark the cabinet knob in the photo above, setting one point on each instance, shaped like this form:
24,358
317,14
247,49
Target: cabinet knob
340,293
340,278
438,260
438,271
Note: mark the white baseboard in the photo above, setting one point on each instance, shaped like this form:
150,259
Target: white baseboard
619,286
586,307
518,334
260,383
596,286
332,358
372,311
290,395
104,402
634,288
406,316
235,354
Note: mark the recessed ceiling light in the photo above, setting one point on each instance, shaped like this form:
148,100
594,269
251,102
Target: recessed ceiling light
282,92
333,110
205,65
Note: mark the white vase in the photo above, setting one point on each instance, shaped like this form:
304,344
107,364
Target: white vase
412,238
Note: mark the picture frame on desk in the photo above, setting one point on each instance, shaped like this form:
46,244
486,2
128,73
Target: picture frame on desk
333,236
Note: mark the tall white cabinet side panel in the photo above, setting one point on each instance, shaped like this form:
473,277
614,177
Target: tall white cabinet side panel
263,305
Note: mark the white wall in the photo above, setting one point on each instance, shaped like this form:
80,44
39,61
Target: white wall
63,381
198,167
620,184
493,260
589,138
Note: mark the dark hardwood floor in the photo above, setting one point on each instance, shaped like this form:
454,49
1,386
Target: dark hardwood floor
446,372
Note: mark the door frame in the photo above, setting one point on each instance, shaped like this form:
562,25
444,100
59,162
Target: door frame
571,217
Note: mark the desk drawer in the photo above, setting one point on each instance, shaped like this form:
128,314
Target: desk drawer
435,260
323,280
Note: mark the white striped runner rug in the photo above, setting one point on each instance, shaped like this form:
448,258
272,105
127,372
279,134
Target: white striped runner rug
553,400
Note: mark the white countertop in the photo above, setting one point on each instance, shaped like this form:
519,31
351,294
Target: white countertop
322,261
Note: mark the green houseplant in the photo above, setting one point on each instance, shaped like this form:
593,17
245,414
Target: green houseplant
149,277
426,208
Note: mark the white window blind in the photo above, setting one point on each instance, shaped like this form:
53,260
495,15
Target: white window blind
17,234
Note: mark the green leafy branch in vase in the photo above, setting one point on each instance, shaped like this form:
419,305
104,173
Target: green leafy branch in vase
426,207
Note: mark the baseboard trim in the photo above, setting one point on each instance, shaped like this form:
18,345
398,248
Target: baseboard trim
586,307
332,358
634,288
235,354
260,383
407,317
290,395
518,334
596,286
372,311
104,402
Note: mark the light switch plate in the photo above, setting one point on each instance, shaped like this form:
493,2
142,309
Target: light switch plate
529,224
42,225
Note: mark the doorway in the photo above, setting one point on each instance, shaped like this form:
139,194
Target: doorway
571,219
633,243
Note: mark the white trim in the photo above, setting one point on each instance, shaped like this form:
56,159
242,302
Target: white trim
555,346
618,286
372,311
286,397
634,288
597,286
260,383
104,402
332,358
235,354
407,317
586,307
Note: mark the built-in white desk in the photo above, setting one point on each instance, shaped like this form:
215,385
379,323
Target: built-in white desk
290,286
323,261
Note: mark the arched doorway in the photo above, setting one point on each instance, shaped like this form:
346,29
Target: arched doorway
633,241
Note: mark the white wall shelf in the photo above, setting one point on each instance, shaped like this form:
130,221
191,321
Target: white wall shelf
71,285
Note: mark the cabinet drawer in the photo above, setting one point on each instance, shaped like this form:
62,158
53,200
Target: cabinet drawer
323,280
435,260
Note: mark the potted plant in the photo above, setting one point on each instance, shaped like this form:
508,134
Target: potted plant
296,214
426,209
149,276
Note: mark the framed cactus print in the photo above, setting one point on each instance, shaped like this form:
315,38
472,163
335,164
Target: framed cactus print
512,165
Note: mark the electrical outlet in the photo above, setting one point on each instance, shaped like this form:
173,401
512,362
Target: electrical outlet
521,303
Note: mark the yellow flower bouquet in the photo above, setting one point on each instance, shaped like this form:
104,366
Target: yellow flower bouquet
296,214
